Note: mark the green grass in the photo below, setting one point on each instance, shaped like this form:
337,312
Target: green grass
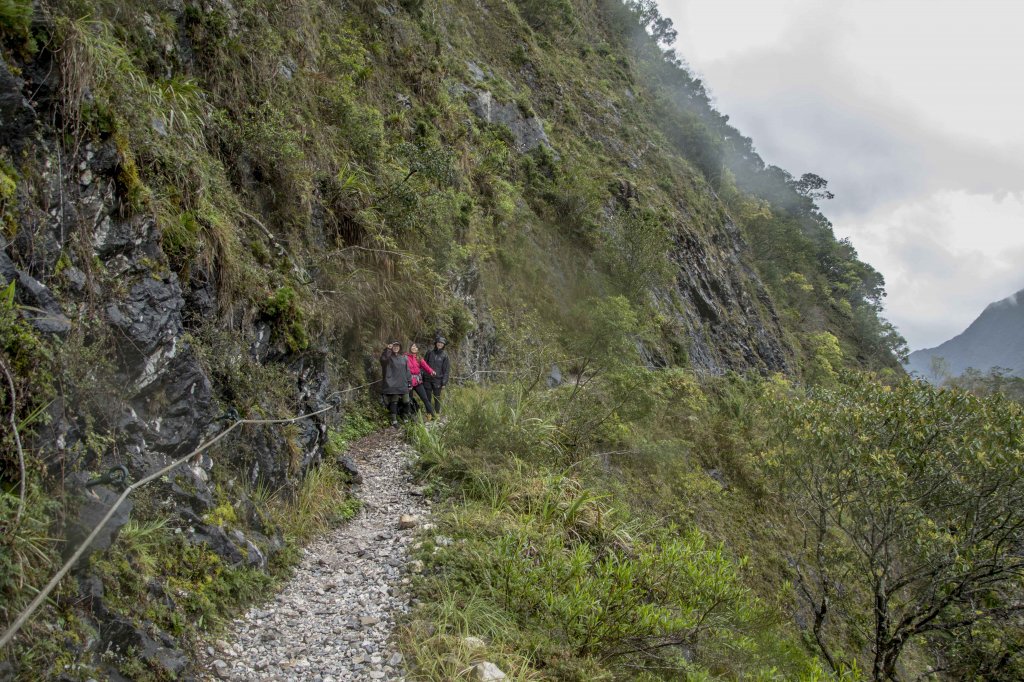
565,575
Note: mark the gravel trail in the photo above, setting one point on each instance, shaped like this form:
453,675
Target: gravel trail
334,619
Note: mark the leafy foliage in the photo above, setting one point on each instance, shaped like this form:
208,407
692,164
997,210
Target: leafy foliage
914,498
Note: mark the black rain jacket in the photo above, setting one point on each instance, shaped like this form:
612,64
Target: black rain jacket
395,371
438,361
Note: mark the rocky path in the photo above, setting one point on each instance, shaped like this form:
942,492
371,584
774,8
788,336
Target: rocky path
334,619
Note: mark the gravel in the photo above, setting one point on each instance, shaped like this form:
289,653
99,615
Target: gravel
334,620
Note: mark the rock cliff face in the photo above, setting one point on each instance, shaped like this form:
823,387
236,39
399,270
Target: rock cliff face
132,273
85,264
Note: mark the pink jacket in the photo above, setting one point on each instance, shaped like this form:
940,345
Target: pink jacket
416,367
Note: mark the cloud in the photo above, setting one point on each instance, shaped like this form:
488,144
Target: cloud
805,109
916,138
945,257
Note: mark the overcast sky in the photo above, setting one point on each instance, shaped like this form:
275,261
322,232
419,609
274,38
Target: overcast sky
914,112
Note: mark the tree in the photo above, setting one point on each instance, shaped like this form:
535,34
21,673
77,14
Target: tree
938,367
542,15
913,498
660,28
813,187
824,359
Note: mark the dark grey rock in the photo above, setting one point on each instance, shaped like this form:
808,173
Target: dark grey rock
17,117
90,587
122,237
159,651
75,278
718,477
218,542
150,316
527,132
44,311
475,71
554,377
176,403
158,125
260,349
93,505
106,159
200,296
725,329
192,491
348,465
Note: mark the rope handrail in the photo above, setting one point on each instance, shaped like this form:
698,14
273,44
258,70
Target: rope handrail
34,605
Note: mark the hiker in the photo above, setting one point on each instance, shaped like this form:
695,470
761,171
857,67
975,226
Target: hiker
417,367
437,358
396,380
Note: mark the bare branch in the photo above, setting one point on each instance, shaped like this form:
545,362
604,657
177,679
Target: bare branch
17,441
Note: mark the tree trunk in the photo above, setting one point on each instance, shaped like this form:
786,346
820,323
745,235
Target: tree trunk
878,672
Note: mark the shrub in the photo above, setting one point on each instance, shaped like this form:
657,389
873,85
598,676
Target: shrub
282,308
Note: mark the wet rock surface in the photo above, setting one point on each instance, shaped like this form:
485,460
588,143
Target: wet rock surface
335,619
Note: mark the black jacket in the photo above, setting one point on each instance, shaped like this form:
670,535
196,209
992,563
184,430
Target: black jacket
438,361
395,370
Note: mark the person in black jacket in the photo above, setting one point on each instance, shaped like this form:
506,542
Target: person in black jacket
437,358
396,378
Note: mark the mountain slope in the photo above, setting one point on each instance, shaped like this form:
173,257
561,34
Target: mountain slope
995,339
223,208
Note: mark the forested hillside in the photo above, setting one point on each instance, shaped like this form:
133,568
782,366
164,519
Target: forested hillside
216,210
994,340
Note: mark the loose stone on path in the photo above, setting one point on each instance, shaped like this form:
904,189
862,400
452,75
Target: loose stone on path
334,619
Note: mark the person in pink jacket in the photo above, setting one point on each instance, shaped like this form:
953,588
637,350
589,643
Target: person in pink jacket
418,367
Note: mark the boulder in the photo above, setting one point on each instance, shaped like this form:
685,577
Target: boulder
474,643
487,672
149,319
219,543
159,651
348,465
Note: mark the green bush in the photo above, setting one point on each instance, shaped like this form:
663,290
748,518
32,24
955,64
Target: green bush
282,308
16,21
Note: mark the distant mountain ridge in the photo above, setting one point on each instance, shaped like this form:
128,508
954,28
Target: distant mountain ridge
995,339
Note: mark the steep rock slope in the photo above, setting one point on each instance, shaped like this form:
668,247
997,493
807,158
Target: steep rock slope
995,339
222,208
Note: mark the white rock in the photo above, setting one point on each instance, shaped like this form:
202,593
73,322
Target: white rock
474,643
487,672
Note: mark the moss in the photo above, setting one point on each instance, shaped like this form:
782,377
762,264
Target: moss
8,199
282,308
222,515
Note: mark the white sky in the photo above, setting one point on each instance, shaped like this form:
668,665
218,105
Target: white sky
912,109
